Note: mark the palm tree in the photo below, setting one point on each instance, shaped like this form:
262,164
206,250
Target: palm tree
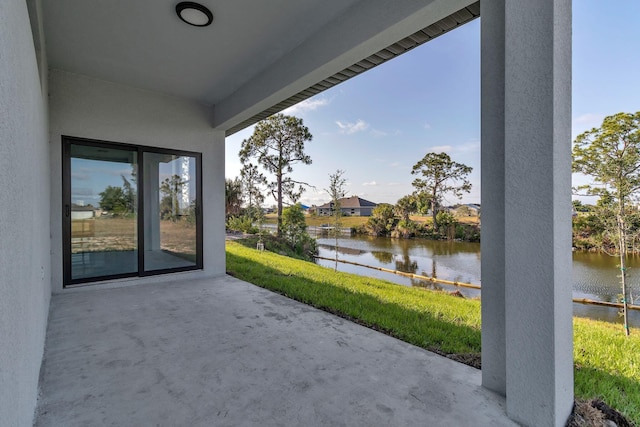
232,196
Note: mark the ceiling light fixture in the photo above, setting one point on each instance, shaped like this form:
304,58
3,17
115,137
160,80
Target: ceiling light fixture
194,14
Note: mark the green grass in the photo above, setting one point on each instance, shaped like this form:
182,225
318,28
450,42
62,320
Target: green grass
426,319
607,364
274,244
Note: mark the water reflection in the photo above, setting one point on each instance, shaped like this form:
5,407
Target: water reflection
599,274
406,264
453,261
427,284
383,257
594,275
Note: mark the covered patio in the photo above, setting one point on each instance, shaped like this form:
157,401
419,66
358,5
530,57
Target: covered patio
227,353
177,346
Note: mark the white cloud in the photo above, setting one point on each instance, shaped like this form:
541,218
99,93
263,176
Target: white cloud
589,118
316,199
307,105
427,126
586,122
473,145
351,128
378,133
469,146
395,164
372,183
441,149
394,184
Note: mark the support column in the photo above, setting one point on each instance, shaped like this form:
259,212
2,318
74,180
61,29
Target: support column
527,351
152,204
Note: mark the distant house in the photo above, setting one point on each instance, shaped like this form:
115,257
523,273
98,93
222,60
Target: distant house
83,212
469,209
350,206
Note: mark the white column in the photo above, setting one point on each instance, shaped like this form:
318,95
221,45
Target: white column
152,204
527,351
185,176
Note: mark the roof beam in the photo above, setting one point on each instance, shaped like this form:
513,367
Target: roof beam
365,35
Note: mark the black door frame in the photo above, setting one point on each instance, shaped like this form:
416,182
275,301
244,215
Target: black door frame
67,141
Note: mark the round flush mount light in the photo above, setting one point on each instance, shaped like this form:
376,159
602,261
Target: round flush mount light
194,14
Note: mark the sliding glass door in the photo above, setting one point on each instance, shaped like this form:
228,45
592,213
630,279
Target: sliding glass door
129,211
102,212
170,192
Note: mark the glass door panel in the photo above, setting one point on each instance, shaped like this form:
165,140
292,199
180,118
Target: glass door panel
129,211
170,211
103,213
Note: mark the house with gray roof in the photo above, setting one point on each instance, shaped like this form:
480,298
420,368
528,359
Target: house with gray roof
350,206
468,209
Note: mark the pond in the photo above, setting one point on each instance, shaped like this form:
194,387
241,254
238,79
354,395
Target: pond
594,274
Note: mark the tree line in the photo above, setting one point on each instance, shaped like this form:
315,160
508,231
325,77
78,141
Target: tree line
122,201
610,157
278,144
438,176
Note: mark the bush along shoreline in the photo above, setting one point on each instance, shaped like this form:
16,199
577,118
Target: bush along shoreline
384,222
416,230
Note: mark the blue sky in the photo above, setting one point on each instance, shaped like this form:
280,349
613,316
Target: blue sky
376,126
91,177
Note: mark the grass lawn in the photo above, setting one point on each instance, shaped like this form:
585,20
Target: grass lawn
607,364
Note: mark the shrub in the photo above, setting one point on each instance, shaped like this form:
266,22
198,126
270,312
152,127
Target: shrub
241,223
404,229
294,231
468,232
446,225
304,250
382,221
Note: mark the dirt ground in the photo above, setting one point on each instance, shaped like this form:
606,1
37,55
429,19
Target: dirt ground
120,234
596,413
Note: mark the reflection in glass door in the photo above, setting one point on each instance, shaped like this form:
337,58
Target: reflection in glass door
129,211
101,213
170,200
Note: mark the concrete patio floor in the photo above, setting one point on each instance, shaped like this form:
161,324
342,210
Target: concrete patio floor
223,352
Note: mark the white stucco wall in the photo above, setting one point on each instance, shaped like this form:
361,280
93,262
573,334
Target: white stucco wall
527,349
24,214
89,108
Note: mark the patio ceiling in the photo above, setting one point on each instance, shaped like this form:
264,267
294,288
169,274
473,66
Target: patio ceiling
257,58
